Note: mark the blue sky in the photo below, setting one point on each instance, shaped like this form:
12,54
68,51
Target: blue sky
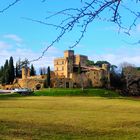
21,38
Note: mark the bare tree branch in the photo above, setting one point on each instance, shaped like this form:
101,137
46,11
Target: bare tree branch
9,6
81,18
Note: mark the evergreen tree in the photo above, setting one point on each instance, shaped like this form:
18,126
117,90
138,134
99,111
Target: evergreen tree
90,63
18,69
32,72
48,77
99,63
7,72
6,75
17,72
11,70
1,75
6,64
41,71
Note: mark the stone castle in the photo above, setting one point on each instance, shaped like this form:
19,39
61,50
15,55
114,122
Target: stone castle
65,74
66,71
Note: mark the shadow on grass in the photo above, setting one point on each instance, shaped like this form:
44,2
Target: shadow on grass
12,96
32,130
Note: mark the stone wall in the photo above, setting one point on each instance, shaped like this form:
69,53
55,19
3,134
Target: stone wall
61,82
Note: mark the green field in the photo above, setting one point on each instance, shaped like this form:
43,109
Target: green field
69,117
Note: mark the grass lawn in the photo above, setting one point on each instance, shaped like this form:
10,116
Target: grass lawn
69,117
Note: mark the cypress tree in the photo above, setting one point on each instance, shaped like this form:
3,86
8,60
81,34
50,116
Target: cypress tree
41,71
11,70
2,75
48,77
6,72
7,76
32,72
18,69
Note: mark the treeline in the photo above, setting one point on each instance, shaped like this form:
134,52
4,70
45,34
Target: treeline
8,72
98,63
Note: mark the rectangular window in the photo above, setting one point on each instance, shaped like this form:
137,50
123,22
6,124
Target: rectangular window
55,62
55,68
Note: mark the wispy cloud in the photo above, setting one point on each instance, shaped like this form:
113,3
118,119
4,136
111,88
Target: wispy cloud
4,45
118,55
23,53
7,50
13,37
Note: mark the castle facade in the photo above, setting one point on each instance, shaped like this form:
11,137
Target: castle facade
66,75
66,71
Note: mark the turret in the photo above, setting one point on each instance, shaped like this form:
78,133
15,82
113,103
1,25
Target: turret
25,73
69,54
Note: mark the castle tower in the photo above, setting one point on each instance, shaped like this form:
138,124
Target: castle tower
24,73
68,54
28,72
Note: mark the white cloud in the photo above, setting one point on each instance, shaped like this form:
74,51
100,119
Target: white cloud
22,53
118,59
13,37
119,55
4,45
7,50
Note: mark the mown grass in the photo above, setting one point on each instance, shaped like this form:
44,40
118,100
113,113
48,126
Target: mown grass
69,117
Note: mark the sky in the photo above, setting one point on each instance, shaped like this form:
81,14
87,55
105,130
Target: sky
22,38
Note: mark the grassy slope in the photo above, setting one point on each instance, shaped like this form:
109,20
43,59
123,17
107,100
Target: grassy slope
77,92
44,117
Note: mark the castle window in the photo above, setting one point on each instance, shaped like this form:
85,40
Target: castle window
55,62
60,68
